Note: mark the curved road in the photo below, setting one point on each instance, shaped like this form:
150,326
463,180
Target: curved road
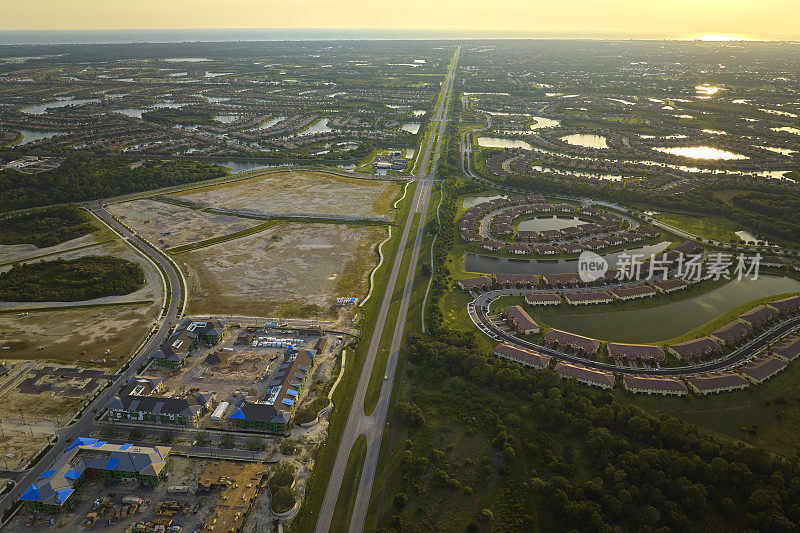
358,422
84,425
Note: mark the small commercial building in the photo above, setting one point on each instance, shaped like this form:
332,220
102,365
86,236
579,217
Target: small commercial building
661,386
54,491
185,340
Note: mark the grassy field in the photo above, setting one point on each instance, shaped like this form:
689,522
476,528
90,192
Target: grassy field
223,238
709,226
342,513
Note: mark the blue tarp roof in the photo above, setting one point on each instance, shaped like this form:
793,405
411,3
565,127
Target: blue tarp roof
82,441
311,355
31,495
287,401
112,463
289,349
61,495
237,414
125,447
47,473
72,474
291,392
99,444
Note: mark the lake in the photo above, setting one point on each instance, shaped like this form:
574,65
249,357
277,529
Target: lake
701,152
471,201
28,136
488,264
675,319
411,127
586,140
41,109
499,142
548,223
318,127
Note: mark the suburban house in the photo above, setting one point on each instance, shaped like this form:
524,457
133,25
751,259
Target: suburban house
587,297
654,385
521,355
479,283
669,285
761,369
632,293
520,320
542,298
786,306
760,316
636,352
732,333
54,491
787,349
717,382
585,375
563,340
702,347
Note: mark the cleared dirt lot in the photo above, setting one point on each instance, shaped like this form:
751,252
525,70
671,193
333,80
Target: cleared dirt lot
302,192
21,252
294,269
153,219
77,335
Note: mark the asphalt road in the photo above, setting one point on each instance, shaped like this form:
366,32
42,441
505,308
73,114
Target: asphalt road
358,422
84,425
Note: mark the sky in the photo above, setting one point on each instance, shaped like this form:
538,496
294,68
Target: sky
673,19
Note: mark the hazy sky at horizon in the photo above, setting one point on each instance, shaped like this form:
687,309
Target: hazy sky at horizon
675,19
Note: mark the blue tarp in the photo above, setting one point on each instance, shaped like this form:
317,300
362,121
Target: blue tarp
237,414
61,495
47,473
287,401
82,441
291,392
112,463
99,444
72,474
31,495
125,447
311,355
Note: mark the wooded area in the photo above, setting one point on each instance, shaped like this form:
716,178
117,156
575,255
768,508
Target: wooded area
47,227
73,280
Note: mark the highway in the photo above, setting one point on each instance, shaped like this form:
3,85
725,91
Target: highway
85,424
358,422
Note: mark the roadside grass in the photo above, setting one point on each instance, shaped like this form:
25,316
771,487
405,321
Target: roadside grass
766,415
342,400
382,357
223,238
343,512
714,227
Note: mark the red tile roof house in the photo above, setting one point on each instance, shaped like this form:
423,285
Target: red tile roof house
694,349
636,352
569,341
788,349
520,320
761,369
517,280
542,298
670,285
587,297
587,376
479,283
522,356
654,385
760,316
787,306
717,382
632,293
732,333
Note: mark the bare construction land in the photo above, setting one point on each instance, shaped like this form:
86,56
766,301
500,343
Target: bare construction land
23,252
170,225
302,192
77,335
295,269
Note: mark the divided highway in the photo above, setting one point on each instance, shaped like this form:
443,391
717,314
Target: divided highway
358,422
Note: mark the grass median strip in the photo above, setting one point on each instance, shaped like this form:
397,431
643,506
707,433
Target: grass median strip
343,512
223,238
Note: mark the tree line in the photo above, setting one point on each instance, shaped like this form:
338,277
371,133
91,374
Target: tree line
46,227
